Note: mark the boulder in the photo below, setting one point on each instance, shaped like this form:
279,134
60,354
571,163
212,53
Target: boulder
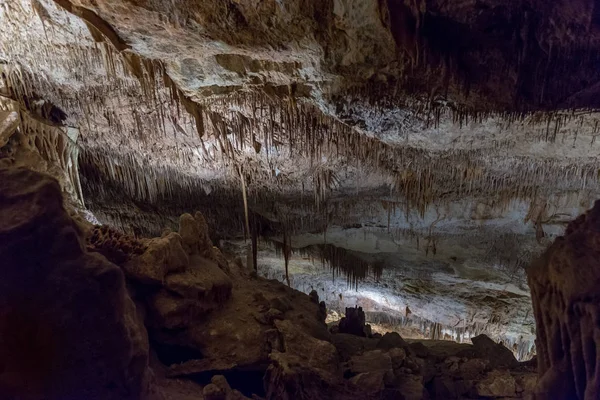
371,382
397,356
497,383
308,368
68,328
350,345
498,355
526,382
473,368
171,311
391,340
213,392
419,349
411,387
203,281
443,387
375,360
219,389
189,295
162,256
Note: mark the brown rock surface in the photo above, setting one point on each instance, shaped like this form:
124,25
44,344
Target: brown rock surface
68,328
161,256
497,383
564,285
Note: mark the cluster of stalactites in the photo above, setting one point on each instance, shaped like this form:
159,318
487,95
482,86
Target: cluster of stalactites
339,260
37,144
522,347
248,133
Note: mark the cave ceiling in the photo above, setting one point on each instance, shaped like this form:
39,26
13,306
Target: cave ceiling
458,129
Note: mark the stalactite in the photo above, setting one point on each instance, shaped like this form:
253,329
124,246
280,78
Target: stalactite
287,249
285,125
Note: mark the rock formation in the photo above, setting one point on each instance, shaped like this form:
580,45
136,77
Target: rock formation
68,328
427,150
165,313
384,120
354,323
564,286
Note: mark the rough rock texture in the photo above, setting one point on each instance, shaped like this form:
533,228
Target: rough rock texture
564,286
68,328
443,126
159,257
112,244
73,331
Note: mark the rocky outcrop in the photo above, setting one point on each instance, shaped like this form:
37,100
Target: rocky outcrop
68,328
564,288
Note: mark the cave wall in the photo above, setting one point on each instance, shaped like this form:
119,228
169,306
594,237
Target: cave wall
564,289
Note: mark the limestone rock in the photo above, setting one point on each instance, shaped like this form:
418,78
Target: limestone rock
319,354
497,383
213,392
203,281
354,322
9,121
187,296
190,234
497,354
372,382
443,387
68,328
526,382
375,360
411,387
473,368
172,311
162,256
112,244
314,296
350,345
219,389
391,340
194,233
397,356
305,369
419,349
